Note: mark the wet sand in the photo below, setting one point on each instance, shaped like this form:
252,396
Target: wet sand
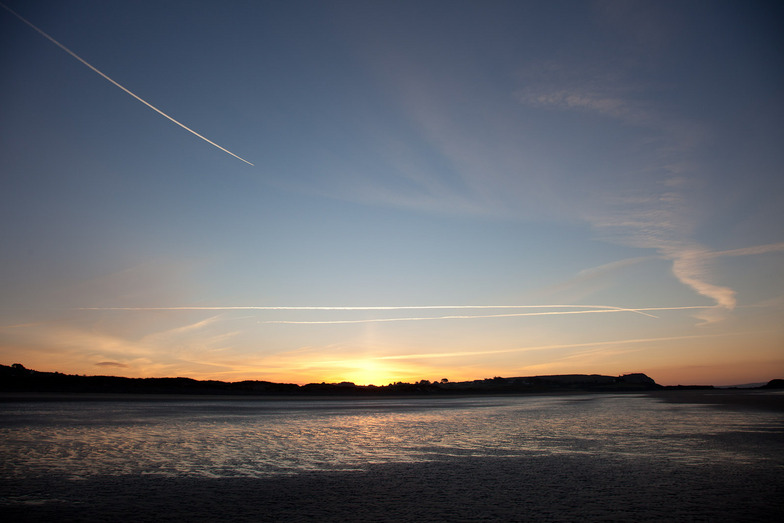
758,399
536,488
753,399
556,487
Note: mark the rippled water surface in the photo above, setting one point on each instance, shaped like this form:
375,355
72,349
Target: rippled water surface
262,437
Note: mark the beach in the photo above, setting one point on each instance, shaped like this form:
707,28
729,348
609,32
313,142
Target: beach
554,488
754,399
572,466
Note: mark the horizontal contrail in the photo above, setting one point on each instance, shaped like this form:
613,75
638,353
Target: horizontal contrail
591,309
64,48
479,316
355,308
426,318
360,308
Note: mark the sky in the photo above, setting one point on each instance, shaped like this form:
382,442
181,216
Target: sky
393,191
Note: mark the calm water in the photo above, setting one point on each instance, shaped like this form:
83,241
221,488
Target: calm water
260,438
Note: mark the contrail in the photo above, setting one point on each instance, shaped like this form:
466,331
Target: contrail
361,308
592,309
426,318
64,48
479,316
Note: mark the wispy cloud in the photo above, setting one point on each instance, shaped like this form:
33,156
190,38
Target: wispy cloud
593,272
186,329
141,346
94,69
750,251
690,267
549,347
110,364
589,280
585,100
662,221
658,212
652,201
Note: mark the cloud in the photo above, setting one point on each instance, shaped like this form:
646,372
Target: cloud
657,210
647,193
576,98
660,209
140,344
110,364
549,347
652,203
187,329
64,48
588,281
749,251
690,267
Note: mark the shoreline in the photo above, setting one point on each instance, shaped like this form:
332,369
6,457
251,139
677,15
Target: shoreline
759,399
771,400
729,476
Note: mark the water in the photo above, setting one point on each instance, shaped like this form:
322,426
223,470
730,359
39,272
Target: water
255,438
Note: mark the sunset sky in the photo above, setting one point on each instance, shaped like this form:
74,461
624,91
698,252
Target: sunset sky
439,189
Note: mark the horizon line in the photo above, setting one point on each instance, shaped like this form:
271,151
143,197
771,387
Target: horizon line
205,380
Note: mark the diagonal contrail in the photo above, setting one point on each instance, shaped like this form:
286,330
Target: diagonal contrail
61,46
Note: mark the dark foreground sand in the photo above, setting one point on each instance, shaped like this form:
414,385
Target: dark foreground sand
536,488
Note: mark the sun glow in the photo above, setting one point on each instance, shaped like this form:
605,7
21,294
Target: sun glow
365,372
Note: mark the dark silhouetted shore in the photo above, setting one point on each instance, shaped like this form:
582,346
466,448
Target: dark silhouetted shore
17,378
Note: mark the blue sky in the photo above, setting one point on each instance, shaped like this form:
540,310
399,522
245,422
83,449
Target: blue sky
597,156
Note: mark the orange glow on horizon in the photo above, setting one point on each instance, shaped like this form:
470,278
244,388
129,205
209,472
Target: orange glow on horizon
370,371
366,371
699,360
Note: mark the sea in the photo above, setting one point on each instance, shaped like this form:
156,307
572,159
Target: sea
708,462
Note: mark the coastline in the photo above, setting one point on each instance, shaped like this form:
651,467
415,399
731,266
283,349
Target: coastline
770,400
538,484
